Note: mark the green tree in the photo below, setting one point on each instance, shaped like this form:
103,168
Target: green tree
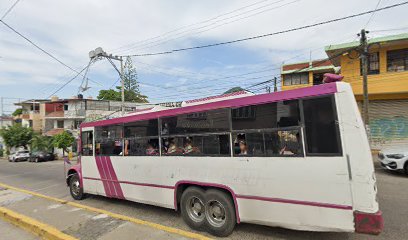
16,135
17,112
131,86
63,141
41,143
234,89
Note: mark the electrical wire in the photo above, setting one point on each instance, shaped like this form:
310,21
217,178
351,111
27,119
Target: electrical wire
211,26
190,25
270,34
9,10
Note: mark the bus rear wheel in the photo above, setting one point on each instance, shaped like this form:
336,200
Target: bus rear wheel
192,207
219,212
77,192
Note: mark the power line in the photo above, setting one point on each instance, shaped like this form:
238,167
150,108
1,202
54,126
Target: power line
9,10
45,52
270,34
195,31
72,79
191,25
372,15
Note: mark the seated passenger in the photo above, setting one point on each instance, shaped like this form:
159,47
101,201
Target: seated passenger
126,147
172,149
188,147
150,150
243,148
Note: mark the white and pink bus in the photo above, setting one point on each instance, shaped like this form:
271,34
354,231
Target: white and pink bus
297,159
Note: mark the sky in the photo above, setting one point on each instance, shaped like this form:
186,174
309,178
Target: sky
70,29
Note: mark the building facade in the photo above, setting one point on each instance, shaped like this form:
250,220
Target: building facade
387,85
305,74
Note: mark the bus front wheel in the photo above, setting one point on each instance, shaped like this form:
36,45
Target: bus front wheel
77,192
192,207
219,212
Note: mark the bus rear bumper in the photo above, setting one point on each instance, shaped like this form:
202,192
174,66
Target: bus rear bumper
370,223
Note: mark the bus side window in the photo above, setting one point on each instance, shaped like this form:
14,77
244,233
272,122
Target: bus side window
87,143
322,130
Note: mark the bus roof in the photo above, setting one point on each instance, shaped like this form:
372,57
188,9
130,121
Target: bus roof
322,89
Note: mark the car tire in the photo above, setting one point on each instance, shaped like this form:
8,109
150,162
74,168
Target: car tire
406,167
77,192
192,208
220,213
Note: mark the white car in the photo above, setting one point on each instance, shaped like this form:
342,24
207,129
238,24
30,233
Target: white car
394,159
21,155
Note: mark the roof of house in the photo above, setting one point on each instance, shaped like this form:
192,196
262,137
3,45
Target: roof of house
228,103
398,37
315,65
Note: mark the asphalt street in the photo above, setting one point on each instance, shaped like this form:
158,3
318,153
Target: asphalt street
48,178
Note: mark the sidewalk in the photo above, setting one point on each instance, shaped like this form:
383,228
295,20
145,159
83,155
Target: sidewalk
9,231
76,222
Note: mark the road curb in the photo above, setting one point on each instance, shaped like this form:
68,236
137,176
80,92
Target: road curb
113,215
29,224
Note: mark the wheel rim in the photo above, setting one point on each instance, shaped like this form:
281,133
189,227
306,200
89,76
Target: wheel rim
75,189
195,209
215,212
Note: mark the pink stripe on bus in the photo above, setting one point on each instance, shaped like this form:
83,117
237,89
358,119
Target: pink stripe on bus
114,178
108,176
318,90
307,203
98,161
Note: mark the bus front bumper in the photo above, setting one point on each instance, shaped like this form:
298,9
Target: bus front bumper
370,223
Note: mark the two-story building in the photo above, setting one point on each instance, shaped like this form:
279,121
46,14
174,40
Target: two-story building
305,74
387,84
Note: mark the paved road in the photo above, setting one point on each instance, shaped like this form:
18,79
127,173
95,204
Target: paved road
48,178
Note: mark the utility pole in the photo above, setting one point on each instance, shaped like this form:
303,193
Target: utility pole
275,87
364,65
98,53
123,85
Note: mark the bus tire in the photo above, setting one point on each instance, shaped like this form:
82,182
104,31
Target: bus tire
192,207
77,192
220,213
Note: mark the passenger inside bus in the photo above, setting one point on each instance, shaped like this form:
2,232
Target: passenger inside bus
243,148
151,149
172,147
189,148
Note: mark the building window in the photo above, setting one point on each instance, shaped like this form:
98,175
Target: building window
397,60
60,124
296,78
66,107
373,64
321,127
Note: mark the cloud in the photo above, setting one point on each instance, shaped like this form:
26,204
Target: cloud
70,29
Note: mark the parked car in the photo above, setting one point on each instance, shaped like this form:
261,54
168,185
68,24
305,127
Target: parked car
20,155
40,156
394,159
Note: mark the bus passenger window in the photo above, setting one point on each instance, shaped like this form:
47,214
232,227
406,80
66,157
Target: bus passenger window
87,143
108,140
322,130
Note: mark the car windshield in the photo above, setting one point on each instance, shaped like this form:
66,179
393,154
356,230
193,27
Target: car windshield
23,152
